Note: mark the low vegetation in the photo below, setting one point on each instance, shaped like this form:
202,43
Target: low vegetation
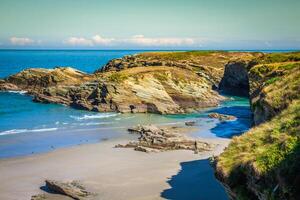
281,83
268,154
279,57
265,161
117,77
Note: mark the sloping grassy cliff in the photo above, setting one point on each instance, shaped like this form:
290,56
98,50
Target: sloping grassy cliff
264,163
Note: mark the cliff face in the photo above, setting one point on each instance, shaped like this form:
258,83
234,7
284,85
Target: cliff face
273,88
151,82
235,80
264,163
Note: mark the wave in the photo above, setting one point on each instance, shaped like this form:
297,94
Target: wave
15,131
95,116
17,91
94,123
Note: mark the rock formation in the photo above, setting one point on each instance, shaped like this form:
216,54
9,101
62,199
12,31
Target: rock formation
73,189
190,123
154,139
151,82
222,117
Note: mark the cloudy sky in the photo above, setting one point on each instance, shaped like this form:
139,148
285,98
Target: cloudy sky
153,24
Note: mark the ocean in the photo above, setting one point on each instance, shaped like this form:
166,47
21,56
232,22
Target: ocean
28,128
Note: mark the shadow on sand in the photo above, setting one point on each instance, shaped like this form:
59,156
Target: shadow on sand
195,181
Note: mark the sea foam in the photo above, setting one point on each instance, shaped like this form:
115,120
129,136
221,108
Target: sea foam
15,131
17,91
95,116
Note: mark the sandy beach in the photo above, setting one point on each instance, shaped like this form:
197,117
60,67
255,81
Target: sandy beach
115,173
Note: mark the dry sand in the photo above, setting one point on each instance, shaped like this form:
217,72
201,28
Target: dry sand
115,174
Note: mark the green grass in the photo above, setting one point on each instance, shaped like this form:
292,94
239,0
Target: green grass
271,150
265,70
117,77
180,55
280,57
272,80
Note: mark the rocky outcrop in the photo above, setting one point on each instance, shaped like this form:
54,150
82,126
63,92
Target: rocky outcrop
154,139
153,82
35,79
165,83
222,117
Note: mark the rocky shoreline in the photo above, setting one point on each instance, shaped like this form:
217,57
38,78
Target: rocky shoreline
151,82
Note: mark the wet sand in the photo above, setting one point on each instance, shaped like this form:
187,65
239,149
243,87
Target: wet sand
115,173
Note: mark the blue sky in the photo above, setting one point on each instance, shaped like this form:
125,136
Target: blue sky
155,24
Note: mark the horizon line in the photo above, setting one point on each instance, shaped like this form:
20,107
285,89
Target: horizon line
84,49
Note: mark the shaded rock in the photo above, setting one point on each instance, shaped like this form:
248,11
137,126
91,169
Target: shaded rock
72,189
190,123
222,117
82,105
154,139
235,80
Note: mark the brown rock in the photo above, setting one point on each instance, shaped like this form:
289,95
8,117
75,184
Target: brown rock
72,189
190,123
222,117
8,86
154,139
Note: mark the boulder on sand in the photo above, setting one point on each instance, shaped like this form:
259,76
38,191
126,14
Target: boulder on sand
72,189
155,139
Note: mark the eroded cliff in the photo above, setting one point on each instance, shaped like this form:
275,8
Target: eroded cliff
264,162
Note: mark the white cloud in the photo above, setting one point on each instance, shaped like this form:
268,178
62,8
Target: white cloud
79,41
97,39
147,41
21,41
94,41
139,40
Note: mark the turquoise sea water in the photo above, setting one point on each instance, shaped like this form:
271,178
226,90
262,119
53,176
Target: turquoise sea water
27,127
13,61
